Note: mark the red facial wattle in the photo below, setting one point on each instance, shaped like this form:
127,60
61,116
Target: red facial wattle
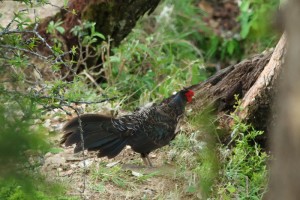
189,96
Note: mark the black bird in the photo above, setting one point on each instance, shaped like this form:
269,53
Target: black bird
144,130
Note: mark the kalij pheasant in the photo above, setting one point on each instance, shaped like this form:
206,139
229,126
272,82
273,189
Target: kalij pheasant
144,130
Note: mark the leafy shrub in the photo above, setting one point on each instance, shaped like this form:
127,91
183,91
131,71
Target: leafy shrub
256,18
244,173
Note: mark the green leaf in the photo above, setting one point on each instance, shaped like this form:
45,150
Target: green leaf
74,12
231,189
213,46
245,30
191,189
196,74
66,2
230,47
114,59
99,35
73,50
55,150
60,29
245,6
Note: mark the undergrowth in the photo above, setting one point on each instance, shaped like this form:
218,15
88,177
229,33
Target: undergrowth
244,173
23,144
165,52
127,179
208,169
202,168
171,48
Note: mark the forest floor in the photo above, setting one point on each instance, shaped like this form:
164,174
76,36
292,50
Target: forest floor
89,177
123,177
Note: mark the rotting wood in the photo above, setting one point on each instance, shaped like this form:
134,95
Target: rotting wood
254,78
258,100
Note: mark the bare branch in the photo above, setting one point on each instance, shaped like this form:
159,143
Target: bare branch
25,50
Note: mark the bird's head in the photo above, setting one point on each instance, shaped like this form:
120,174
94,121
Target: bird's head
180,98
188,95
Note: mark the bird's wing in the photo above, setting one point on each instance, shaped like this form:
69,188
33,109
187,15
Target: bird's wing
160,126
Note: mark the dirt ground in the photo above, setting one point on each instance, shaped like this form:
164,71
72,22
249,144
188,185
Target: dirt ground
123,177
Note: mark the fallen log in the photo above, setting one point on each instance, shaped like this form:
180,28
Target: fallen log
254,80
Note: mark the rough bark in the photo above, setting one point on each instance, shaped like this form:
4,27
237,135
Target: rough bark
113,18
254,80
259,99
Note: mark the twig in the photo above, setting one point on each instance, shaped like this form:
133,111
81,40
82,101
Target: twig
25,50
58,58
55,6
11,21
92,79
62,100
83,155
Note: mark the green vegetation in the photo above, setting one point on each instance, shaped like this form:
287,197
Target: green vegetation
166,51
244,174
102,175
213,170
23,142
11,190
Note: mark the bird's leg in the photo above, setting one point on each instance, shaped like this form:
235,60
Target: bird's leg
146,159
149,162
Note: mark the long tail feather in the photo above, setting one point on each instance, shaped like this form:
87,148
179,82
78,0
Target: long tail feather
112,150
99,134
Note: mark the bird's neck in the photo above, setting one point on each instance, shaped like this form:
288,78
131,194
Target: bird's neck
177,104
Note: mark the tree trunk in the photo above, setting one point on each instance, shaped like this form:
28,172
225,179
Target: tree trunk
254,80
113,18
285,176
